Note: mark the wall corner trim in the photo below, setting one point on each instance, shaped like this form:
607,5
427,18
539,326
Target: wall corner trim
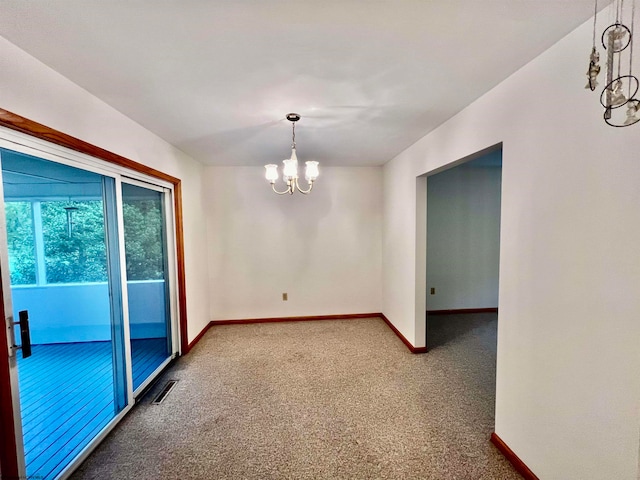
411,348
350,316
198,337
518,464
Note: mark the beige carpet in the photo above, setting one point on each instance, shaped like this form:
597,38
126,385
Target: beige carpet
316,400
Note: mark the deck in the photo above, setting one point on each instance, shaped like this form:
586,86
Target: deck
66,395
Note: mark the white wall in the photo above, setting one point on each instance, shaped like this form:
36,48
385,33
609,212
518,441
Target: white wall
323,249
568,389
33,90
463,243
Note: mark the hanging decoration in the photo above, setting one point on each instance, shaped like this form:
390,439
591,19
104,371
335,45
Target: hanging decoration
70,211
621,88
290,169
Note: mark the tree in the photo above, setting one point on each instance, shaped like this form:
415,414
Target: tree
81,256
22,256
143,240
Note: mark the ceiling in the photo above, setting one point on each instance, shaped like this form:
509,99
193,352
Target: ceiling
216,78
27,177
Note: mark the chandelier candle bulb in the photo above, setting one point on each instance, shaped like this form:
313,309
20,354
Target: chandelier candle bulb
311,171
290,170
272,172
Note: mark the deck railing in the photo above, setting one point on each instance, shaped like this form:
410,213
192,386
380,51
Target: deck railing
79,312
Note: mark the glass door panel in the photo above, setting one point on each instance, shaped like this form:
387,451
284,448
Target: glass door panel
63,262
147,286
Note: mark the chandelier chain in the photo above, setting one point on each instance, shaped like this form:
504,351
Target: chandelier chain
293,144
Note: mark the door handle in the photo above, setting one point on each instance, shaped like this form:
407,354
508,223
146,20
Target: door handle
25,335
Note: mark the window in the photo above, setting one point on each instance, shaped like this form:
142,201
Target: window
72,236
74,244
143,227
22,255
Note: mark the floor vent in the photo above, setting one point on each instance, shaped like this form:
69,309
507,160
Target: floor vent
165,391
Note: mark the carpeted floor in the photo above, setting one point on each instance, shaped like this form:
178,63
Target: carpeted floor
316,400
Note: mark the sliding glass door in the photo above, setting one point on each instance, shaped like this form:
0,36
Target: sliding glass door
63,281
86,268
147,273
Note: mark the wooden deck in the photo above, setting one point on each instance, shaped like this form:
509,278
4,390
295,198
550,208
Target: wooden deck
66,395
147,355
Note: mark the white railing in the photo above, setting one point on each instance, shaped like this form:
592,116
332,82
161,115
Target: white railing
80,312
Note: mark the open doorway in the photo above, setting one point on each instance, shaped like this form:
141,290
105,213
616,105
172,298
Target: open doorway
463,246
463,206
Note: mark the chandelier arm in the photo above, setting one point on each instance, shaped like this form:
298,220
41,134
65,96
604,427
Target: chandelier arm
273,187
304,191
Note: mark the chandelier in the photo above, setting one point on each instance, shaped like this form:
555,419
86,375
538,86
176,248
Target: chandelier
290,168
621,88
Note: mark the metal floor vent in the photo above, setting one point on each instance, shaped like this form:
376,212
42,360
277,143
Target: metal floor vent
165,391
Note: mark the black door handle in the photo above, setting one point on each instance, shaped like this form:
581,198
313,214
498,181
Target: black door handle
25,336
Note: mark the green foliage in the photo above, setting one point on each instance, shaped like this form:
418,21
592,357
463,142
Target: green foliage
22,257
81,256
143,239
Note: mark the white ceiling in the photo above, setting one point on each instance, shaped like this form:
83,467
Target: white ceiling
215,78
27,177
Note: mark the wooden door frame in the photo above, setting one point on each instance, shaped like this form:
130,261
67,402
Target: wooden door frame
8,452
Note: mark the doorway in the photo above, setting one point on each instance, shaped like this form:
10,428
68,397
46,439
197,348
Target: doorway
463,209
86,258
463,246
147,271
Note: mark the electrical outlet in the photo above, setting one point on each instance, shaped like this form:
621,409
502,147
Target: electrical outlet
285,297
433,290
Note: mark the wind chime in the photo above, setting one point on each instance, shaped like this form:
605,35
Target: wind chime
621,88
70,211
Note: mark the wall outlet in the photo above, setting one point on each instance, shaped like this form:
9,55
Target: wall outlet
433,290
285,297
